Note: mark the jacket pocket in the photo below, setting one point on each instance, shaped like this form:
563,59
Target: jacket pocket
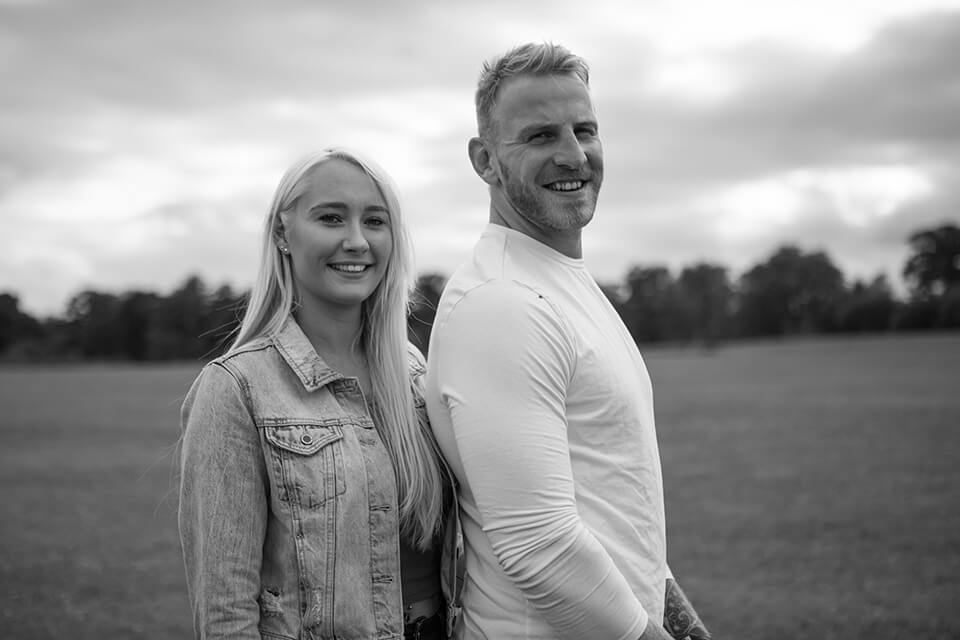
308,462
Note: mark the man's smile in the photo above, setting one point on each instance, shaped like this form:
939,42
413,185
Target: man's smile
572,185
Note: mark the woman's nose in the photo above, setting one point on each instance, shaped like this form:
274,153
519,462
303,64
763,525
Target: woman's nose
355,240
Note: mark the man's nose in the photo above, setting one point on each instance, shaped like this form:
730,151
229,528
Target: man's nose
569,151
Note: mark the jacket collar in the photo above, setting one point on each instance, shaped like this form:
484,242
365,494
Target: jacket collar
301,357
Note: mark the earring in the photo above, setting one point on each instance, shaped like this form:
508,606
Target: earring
283,248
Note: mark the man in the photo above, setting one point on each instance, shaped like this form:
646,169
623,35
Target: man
537,394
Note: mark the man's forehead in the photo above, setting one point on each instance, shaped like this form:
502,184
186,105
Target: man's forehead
528,99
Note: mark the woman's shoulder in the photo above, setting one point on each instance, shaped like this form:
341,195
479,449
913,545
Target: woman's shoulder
250,350
244,361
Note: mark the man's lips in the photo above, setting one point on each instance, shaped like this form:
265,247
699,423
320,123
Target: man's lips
565,186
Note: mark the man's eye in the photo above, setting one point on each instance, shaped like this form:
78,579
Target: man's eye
540,137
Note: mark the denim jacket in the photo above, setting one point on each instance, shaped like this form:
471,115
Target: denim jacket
288,503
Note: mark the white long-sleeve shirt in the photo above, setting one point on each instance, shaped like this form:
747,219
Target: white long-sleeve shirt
543,407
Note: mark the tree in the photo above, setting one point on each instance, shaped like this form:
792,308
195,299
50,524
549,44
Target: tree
792,292
224,312
868,307
181,322
136,316
948,316
916,314
707,296
933,266
652,310
93,324
423,309
15,325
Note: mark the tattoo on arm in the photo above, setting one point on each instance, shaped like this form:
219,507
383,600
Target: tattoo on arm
679,618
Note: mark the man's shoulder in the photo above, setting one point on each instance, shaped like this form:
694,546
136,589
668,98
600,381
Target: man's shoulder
495,287
490,293
498,312
489,275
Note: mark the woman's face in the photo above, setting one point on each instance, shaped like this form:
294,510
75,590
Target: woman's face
340,237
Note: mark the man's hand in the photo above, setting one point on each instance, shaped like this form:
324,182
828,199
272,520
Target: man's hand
654,632
679,616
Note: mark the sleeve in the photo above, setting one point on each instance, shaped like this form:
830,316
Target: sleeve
504,364
418,367
223,507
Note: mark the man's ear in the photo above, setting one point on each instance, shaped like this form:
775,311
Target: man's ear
482,161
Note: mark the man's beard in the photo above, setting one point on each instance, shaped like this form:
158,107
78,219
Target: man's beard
531,204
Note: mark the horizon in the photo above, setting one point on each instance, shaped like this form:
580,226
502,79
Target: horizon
898,290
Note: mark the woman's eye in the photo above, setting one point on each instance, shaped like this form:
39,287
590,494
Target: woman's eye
376,222
329,218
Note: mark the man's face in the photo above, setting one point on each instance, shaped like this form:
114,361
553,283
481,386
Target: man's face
547,151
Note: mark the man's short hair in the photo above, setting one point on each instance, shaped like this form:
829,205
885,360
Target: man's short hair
530,59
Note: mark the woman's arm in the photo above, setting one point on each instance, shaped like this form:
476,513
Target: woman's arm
223,507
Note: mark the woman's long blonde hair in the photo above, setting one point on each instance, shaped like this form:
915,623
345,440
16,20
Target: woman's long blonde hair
383,335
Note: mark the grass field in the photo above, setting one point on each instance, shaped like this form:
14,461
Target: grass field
813,491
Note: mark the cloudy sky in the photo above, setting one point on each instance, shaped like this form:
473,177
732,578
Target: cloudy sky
140,142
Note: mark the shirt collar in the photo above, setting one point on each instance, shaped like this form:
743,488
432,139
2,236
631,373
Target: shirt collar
302,358
532,245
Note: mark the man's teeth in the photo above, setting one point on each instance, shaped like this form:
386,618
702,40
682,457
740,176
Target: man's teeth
566,186
352,268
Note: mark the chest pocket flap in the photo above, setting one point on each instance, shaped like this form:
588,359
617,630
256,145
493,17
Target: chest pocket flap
307,462
305,439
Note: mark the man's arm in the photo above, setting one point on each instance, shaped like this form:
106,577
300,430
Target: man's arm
655,632
503,359
679,616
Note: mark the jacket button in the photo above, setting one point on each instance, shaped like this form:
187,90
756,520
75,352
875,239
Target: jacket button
306,439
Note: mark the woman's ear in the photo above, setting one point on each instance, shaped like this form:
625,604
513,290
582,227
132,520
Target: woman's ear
280,235
482,161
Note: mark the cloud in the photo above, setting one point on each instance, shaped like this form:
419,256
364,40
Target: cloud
807,145
143,140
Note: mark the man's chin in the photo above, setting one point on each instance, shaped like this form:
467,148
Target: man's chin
577,218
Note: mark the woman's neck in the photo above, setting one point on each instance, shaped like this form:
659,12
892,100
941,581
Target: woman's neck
335,333
336,338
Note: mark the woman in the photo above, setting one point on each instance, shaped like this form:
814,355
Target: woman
312,491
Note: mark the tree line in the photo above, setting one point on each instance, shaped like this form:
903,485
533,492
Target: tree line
792,292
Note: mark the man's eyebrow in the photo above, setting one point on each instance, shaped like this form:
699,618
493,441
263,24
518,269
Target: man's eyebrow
536,126
551,126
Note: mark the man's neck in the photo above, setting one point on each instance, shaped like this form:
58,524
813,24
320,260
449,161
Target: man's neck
569,243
